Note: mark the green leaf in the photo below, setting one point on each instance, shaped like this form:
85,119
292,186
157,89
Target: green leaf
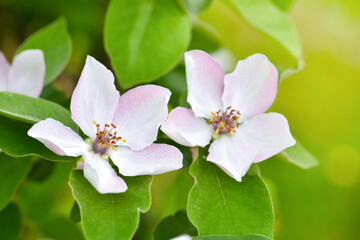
175,196
110,216
10,222
32,110
204,37
75,213
243,237
170,193
299,156
284,4
51,93
41,170
218,204
55,42
254,170
15,142
61,228
266,17
12,172
196,6
145,38
175,80
287,72
174,226
39,201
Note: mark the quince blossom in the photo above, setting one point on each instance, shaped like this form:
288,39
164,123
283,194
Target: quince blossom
122,128
230,108
25,75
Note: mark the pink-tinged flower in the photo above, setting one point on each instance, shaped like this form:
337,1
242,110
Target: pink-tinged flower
230,108
25,75
122,128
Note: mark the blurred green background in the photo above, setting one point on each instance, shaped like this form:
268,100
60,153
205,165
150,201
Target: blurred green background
321,103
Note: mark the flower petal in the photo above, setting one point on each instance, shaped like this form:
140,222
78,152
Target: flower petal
269,133
205,81
182,237
252,87
95,97
140,113
155,159
101,175
27,73
58,138
4,72
185,128
233,155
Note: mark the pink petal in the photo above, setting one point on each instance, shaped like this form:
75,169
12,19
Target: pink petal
269,133
232,155
155,159
27,73
101,175
58,138
205,81
252,87
185,128
4,72
140,113
95,97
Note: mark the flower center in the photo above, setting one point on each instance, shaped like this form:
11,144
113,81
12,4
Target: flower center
225,122
105,138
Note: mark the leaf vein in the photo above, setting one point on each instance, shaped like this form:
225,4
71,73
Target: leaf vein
223,197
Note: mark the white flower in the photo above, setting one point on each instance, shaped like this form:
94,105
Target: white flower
122,128
230,108
25,75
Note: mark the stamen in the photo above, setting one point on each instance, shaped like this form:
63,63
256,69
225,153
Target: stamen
106,138
225,122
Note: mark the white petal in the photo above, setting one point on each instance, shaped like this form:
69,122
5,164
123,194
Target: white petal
140,113
27,73
232,155
185,128
95,97
4,72
101,175
155,159
269,133
205,81
60,139
252,87
182,237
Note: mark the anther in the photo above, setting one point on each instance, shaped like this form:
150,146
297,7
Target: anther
105,138
225,122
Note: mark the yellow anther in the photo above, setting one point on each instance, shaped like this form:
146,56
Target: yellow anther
226,121
105,138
